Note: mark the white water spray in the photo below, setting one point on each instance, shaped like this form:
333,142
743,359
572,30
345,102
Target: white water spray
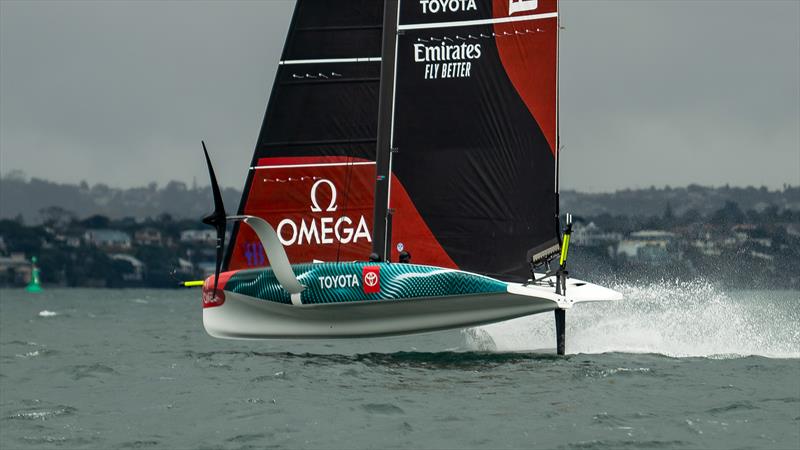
674,318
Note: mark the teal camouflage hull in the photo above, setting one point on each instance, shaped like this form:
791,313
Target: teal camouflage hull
346,300
360,281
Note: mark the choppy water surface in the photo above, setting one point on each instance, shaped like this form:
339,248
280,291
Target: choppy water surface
677,365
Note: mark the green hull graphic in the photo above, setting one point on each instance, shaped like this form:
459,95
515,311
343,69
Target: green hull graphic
349,282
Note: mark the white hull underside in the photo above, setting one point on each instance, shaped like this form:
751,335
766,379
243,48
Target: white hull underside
244,317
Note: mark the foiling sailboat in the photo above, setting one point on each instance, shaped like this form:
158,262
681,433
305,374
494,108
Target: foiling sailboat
421,130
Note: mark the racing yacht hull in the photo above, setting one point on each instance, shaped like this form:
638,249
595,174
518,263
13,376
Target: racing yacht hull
247,314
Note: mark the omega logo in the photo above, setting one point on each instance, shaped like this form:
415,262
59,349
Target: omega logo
315,204
324,230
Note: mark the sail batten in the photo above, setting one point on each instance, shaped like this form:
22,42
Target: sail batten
320,143
468,23
286,166
332,60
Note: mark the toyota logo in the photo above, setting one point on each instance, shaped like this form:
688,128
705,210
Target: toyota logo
371,279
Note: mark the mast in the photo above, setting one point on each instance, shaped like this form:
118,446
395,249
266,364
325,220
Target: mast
558,129
383,155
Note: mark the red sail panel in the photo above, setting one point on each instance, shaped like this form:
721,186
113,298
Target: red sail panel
530,59
411,233
321,208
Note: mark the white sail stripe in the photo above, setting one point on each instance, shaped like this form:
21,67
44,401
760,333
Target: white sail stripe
391,123
291,166
330,60
469,23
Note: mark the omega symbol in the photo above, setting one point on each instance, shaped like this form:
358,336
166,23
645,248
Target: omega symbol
315,204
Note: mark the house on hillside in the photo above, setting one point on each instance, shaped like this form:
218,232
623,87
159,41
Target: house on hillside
15,270
653,247
137,274
73,241
147,236
185,267
108,239
208,236
206,268
593,236
741,232
68,240
751,233
706,245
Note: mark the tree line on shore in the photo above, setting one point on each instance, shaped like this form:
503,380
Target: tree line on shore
693,231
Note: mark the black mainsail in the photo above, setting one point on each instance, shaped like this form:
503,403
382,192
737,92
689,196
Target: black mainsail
475,131
465,135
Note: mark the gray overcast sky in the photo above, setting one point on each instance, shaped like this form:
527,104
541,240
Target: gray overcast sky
652,92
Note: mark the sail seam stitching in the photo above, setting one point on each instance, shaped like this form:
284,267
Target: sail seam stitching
468,23
289,166
330,60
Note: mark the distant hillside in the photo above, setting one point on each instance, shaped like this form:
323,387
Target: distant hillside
27,198
653,202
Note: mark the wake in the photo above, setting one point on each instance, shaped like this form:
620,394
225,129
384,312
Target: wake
673,318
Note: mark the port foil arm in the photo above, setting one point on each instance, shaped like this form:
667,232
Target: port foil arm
278,259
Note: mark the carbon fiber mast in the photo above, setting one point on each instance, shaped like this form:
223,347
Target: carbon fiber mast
561,274
382,216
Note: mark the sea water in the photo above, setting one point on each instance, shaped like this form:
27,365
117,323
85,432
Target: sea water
675,365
